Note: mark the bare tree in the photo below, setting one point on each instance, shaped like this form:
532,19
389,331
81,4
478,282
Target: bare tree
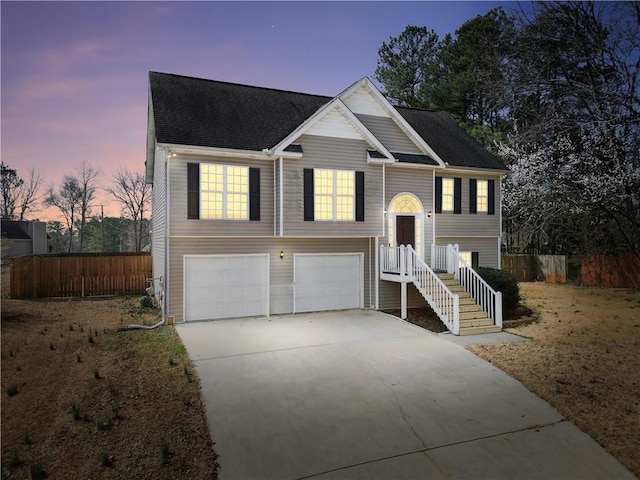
133,193
68,201
87,176
18,197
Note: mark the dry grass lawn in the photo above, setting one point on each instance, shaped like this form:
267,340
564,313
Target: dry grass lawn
584,360
82,401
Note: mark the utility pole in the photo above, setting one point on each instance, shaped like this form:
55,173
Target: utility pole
102,228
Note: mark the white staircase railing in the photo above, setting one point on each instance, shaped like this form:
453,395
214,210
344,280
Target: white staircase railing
405,262
474,284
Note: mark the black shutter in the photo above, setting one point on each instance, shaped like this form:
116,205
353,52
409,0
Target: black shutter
438,194
193,190
254,194
308,195
457,195
474,260
473,195
492,197
359,196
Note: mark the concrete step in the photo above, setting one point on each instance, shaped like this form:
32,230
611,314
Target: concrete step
479,330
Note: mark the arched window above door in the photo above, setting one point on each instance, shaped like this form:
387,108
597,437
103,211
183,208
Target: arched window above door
405,203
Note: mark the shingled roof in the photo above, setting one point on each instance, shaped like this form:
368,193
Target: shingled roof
208,113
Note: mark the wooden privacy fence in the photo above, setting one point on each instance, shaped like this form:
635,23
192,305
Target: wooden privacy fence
529,268
611,270
79,275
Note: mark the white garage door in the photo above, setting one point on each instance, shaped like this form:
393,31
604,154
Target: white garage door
225,286
328,281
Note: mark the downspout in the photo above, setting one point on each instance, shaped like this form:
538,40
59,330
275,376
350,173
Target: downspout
281,194
165,294
142,327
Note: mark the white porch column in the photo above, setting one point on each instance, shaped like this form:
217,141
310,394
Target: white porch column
403,300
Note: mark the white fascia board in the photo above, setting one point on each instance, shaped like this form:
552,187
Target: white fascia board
380,160
338,104
399,119
173,148
417,165
487,171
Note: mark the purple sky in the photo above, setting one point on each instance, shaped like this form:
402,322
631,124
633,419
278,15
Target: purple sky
74,74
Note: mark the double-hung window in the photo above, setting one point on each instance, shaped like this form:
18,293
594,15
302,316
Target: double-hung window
334,194
447,194
224,192
482,196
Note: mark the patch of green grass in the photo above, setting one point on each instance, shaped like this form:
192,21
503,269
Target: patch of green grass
37,473
166,454
28,439
75,412
106,460
15,460
104,424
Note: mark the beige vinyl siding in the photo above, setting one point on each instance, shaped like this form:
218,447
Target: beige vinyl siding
487,248
419,182
338,154
158,221
389,133
449,224
180,225
281,271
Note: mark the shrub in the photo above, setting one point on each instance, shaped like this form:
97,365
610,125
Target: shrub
146,302
502,281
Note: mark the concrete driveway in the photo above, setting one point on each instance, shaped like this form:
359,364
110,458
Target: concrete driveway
362,394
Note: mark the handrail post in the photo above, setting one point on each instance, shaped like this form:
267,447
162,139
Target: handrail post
456,315
403,260
498,318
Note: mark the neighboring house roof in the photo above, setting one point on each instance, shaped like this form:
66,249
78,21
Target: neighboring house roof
12,230
209,113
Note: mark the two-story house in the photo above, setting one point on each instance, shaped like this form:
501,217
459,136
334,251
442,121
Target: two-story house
274,202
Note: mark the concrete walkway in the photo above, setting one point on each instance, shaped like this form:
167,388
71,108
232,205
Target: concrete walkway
361,394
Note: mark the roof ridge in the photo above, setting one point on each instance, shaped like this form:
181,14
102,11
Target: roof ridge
235,84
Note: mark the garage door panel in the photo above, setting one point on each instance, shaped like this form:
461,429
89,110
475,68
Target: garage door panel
229,286
328,282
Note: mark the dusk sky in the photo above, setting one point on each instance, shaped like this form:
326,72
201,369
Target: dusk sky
75,74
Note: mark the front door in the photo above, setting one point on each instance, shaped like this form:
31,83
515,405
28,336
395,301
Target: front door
405,230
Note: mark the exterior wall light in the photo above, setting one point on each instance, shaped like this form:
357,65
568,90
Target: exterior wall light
281,254
429,214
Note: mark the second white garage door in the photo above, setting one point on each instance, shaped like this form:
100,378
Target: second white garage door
328,281
225,286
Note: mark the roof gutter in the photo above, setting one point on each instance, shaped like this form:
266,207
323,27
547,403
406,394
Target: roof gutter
265,154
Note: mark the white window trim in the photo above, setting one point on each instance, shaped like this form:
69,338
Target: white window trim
334,196
225,192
